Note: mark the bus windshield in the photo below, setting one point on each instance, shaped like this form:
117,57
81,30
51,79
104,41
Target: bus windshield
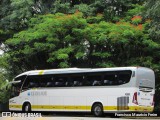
16,86
15,90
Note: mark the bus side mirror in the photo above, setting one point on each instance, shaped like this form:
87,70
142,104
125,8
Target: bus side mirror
15,82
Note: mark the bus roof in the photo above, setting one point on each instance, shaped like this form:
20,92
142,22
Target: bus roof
75,70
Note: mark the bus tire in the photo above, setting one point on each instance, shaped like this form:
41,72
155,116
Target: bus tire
97,110
27,107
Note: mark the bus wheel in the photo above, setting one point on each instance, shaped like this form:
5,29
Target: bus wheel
27,107
97,110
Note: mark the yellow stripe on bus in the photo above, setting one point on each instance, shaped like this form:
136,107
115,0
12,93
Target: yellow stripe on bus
41,72
140,108
15,106
71,107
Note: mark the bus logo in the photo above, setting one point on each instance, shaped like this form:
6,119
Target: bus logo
29,94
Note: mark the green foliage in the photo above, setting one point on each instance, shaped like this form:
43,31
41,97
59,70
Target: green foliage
6,73
61,7
85,9
49,40
58,40
1,33
112,9
151,12
4,95
152,9
5,76
14,14
136,10
21,12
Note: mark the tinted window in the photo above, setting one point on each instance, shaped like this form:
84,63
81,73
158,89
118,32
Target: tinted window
38,81
124,77
117,78
45,81
93,80
60,81
21,78
75,80
110,78
79,79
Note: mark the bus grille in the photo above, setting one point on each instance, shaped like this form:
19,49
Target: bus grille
122,103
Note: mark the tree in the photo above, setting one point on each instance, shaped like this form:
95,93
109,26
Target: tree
48,41
152,9
61,40
16,13
4,77
113,10
5,10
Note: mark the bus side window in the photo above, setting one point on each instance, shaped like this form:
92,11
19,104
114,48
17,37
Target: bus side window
94,80
60,81
26,84
77,80
49,84
106,82
50,81
110,79
31,85
96,83
74,80
37,84
68,83
124,77
77,83
42,84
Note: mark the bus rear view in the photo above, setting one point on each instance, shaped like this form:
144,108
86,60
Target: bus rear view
143,97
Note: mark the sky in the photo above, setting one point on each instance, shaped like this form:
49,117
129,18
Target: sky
1,46
1,52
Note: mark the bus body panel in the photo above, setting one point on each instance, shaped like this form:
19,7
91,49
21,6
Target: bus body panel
80,102
118,98
64,99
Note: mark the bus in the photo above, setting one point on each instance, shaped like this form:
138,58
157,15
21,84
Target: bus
99,90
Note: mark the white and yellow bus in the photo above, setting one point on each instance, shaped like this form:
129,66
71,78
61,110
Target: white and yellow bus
101,90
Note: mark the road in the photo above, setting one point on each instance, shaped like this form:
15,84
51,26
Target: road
56,118
66,116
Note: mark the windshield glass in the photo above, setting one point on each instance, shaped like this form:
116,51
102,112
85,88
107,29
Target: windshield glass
16,86
15,90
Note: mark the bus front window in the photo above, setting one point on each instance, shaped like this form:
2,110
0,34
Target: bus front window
15,90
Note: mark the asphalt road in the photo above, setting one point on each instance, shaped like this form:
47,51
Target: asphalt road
71,117
55,118
64,118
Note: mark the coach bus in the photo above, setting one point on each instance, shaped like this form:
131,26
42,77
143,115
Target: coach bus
100,90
